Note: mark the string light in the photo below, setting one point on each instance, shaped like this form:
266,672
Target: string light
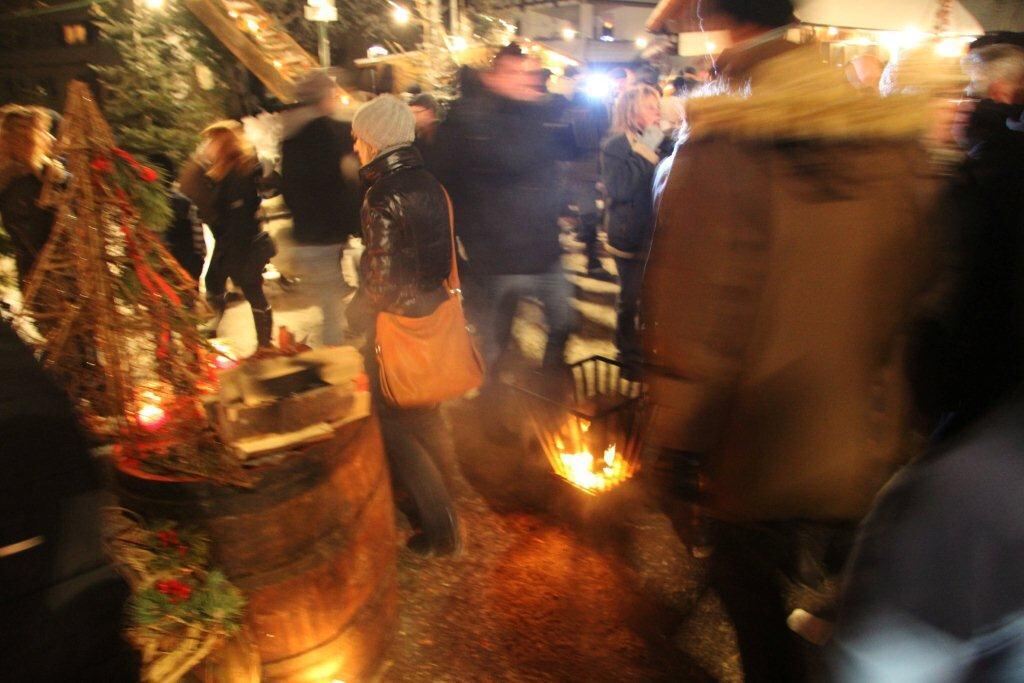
401,15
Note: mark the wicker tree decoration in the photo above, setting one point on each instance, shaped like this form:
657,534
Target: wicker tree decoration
112,306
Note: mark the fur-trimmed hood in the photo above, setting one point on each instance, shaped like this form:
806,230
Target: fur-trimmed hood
779,91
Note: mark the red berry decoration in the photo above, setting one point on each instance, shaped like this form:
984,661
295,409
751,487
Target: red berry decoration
101,165
148,175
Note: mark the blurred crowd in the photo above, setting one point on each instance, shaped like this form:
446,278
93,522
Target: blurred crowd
819,280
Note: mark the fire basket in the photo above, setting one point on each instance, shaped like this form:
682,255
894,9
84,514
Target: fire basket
590,431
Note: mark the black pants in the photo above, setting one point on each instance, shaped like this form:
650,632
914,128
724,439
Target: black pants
419,450
245,275
748,571
627,311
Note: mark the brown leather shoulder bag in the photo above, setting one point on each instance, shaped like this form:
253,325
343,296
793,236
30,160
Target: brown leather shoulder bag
425,361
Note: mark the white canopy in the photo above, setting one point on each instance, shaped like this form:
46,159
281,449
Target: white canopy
886,15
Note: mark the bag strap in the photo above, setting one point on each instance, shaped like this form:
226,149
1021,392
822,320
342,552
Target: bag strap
453,283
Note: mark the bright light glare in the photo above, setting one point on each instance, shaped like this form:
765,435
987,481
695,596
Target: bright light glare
154,4
832,32
895,41
458,43
950,47
568,34
642,43
401,15
710,47
597,86
376,51
911,37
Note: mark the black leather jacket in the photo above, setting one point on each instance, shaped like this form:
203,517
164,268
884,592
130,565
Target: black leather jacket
406,233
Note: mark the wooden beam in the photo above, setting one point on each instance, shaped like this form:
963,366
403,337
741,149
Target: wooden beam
248,52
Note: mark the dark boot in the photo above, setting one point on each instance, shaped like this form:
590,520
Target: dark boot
217,302
264,321
554,354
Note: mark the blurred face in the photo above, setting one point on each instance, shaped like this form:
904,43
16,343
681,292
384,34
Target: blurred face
24,138
424,117
648,112
1004,92
953,120
216,148
517,78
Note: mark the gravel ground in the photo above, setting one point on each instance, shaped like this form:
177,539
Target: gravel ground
553,585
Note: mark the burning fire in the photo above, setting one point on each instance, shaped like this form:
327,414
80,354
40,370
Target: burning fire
583,470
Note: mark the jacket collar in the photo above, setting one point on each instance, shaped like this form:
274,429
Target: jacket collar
737,62
389,162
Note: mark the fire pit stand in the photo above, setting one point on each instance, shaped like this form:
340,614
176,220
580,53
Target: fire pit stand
590,429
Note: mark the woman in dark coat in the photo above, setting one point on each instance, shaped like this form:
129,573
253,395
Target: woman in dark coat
628,159
408,256
242,249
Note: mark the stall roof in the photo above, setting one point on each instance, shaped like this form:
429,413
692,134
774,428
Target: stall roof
677,16
885,15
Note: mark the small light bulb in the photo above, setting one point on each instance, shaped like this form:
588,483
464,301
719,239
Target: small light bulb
401,15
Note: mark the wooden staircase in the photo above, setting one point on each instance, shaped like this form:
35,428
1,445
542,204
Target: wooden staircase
258,41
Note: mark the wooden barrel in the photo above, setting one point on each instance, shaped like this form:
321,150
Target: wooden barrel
312,546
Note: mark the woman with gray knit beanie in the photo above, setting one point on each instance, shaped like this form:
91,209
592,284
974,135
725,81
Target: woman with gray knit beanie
408,256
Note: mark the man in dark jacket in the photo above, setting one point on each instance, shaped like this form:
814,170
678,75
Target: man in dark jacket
324,204
499,164
984,355
61,604
586,122
184,235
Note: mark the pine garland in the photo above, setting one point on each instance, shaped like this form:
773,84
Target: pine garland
180,609
140,183
152,98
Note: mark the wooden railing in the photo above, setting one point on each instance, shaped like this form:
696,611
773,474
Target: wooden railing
258,41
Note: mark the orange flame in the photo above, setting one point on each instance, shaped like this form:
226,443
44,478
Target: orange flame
581,469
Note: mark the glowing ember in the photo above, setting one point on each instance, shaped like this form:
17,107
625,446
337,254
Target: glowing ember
150,415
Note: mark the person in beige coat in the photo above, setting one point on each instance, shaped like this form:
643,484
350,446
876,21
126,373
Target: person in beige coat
791,251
